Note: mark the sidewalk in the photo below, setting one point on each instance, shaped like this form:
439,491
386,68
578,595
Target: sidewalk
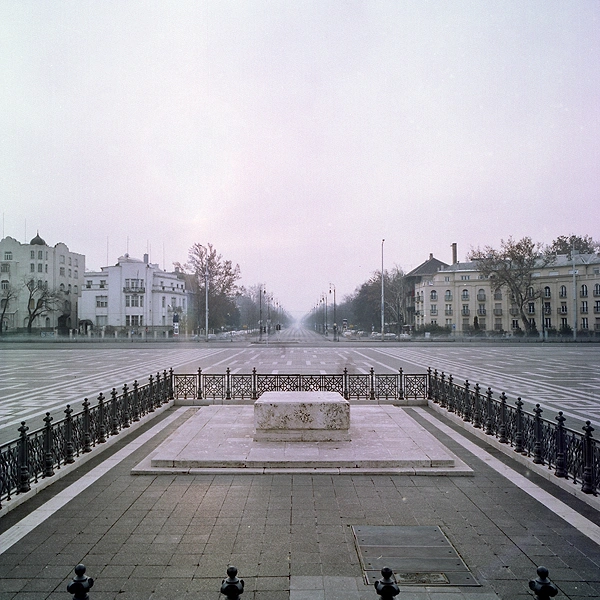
290,535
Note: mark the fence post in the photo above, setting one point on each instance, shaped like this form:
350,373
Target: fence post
114,421
450,394
101,425
345,384
588,483
443,397
372,384
69,451
561,463
537,446
24,485
254,392
227,384
171,384
519,426
154,397
125,408
136,400
87,437
428,390
48,446
477,413
502,427
434,392
467,402
488,410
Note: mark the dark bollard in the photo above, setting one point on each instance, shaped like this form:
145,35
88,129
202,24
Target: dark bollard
81,584
542,587
386,587
232,587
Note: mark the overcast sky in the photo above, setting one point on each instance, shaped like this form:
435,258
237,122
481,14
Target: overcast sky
296,135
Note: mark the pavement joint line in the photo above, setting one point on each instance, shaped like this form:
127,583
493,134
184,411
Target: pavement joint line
585,526
38,516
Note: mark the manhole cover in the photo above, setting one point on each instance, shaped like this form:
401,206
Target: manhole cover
416,555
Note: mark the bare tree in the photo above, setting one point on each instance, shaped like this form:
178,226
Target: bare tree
512,267
41,300
565,244
8,294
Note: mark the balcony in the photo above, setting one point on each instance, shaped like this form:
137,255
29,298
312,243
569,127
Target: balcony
514,312
433,312
597,310
583,294
482,312
583,310
465,312
448,312
562,310
480,297
498,312
135,290
448,298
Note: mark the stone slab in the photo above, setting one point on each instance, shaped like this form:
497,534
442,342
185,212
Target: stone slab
301,417
220,439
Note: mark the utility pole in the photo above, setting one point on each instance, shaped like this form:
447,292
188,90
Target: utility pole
382,296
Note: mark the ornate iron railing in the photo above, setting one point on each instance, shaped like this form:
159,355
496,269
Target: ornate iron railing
250,386
571,454
37,454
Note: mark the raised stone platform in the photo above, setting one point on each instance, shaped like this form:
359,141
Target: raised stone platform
301,417
220,439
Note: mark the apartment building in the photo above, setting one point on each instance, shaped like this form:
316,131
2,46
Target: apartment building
31,271
135,296
565,294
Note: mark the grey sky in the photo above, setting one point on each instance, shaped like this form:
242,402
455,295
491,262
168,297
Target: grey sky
295,135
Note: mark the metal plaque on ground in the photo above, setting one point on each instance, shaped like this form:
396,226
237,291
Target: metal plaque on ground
416,555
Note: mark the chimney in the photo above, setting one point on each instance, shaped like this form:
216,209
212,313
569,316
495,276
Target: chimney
454,256
146,258
430,255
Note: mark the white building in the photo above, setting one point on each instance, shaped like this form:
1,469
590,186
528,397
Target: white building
134,296
52,270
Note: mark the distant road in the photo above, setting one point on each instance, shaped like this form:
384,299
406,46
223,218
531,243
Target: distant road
40,377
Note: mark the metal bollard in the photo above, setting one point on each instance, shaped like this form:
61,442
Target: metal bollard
232,587
386,587
542,587
81,584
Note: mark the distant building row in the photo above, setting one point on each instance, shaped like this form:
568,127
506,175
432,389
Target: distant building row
459,297
133,294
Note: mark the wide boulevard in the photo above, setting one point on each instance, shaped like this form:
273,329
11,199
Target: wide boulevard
41,377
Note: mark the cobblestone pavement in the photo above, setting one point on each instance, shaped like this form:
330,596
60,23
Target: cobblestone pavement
154,537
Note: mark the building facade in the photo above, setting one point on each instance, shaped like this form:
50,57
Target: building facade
41,280
565,295
134,296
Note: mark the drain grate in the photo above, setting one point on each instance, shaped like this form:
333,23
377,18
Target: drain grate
416,555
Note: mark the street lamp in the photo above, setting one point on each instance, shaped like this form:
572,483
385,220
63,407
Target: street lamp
382,298
335,336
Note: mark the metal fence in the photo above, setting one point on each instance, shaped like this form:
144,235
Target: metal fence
250,386
37,454
571,454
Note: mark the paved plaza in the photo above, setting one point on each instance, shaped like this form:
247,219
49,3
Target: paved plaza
292,535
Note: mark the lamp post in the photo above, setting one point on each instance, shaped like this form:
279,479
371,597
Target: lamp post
382,296
205,291
260,293
335,337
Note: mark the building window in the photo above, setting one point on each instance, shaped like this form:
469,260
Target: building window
596,289
563,291
546,292
531,308
62,271
40,255
584,306
101,320
40,268
101,301
88,284
497,295
433,295
135,300
563,322
164,301
434,309
127,300
584,323
5,268
32,254
62,259
448,296
76,289
584,291
32,268
141,301
465,295
127,321
8,256
103,283
5,284
481,295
